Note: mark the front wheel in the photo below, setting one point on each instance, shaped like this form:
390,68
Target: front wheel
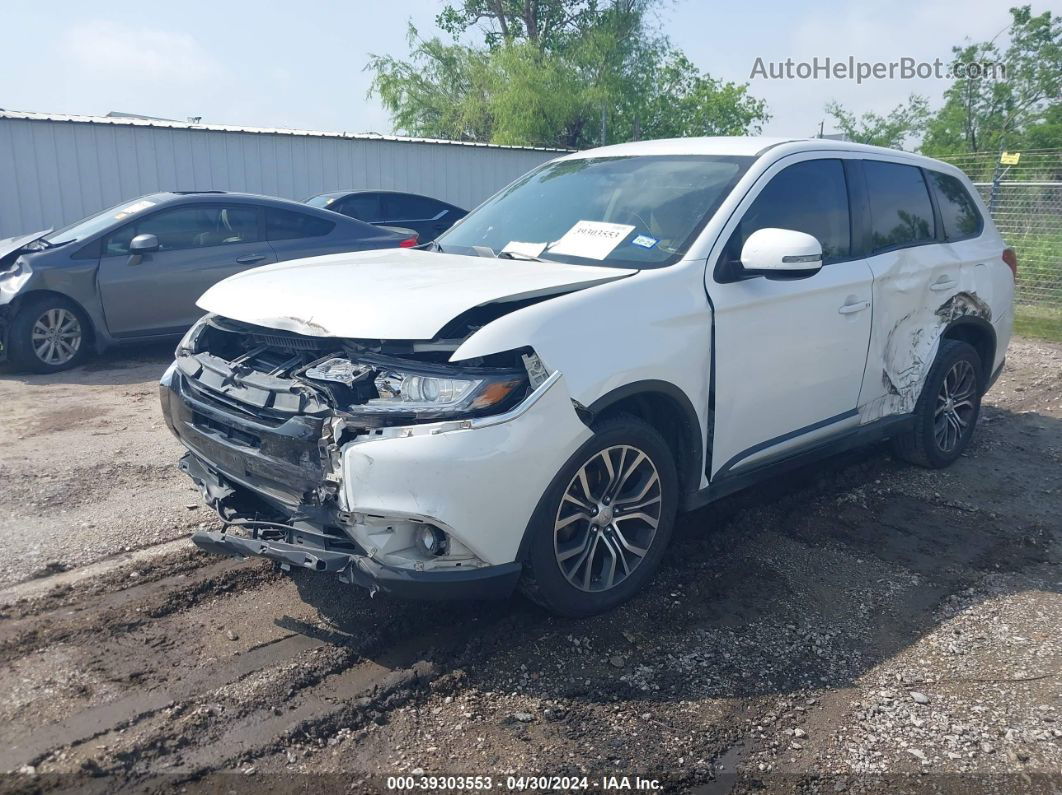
48,334
947,410
601,529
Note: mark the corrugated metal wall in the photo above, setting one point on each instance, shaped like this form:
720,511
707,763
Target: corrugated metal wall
55,172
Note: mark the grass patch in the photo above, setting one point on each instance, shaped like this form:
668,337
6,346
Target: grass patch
1042,322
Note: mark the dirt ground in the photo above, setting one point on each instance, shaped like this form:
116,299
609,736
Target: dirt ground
861,626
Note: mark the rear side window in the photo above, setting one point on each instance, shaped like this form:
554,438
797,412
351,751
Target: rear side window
406,207
810,197
958,212
901,213
288,225
363,206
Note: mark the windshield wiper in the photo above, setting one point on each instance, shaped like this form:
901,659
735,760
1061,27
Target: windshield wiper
519,256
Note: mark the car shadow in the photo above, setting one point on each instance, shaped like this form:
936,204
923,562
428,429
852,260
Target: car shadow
803,583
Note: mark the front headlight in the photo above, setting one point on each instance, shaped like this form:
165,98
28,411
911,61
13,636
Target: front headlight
188,341
438,395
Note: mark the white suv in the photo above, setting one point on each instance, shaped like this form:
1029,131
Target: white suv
619,335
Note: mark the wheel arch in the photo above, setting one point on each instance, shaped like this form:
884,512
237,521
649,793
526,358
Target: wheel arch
668,409
44,292
979,334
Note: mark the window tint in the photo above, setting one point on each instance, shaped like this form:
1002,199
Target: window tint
957,209
808,197
363,206
407,207
287,225
192,226
900,211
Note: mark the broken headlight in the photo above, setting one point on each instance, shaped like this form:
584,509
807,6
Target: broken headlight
407,392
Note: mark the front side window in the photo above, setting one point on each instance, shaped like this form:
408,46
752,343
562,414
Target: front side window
958,212
193,226
288,225
406,207
809,197
654,205
901,213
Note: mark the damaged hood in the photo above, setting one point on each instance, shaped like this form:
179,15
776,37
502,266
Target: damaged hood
395,294
10,245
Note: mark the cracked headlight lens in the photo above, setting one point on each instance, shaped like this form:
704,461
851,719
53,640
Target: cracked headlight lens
435,395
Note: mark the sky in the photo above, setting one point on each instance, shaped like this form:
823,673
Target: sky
302,65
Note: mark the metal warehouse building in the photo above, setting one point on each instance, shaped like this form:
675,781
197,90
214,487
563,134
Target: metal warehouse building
56,169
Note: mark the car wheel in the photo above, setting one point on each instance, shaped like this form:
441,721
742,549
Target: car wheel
947,410
601,528
49,334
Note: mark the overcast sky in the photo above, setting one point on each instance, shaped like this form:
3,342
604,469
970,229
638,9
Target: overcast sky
301,64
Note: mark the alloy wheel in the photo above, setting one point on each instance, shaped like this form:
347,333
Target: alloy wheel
56,336
955,406
607,518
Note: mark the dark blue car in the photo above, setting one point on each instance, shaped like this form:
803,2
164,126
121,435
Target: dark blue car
134,272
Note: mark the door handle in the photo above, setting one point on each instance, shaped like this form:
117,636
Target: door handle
249,259
858,306
943,283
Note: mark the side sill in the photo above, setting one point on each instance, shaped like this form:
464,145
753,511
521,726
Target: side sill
729,483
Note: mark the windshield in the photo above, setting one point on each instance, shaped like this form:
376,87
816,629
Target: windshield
86,227
632,212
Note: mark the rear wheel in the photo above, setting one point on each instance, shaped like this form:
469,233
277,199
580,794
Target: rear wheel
600,530
48,334
947,411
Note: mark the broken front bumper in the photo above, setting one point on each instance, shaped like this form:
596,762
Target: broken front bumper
478,481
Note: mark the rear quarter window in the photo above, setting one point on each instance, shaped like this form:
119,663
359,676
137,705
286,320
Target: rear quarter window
958,211
901,213
289,225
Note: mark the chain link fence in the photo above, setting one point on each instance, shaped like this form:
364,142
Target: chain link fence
1025,201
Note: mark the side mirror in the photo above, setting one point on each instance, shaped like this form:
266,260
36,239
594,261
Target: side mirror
783,253
143,244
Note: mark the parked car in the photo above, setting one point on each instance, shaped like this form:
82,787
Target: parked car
620,335
134,271
426,216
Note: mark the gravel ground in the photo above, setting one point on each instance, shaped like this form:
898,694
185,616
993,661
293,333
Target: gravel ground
861,626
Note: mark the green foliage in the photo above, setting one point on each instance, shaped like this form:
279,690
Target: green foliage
568,73
987,113
891,129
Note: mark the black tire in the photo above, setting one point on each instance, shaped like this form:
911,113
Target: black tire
544,581
22,351
922,445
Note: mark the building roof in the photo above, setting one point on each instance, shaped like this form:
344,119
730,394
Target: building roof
131,121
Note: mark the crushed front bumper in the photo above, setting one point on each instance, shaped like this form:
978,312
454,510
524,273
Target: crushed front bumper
490,582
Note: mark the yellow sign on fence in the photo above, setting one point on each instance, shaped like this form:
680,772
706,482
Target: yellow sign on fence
1010,158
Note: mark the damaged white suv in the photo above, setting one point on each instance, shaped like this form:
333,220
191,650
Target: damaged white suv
619,335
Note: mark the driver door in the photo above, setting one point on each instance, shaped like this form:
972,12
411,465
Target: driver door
199,245
789,352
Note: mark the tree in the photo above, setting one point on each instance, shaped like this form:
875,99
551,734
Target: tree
988,110
568,73
891,130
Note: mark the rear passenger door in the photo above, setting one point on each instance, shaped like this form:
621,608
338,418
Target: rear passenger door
199,245
917,276
789,353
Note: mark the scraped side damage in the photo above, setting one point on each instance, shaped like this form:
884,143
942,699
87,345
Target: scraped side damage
909,350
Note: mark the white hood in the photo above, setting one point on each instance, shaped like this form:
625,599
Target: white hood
396,294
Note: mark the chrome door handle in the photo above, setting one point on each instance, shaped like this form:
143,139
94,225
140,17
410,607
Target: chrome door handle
943,283
249,259
859,306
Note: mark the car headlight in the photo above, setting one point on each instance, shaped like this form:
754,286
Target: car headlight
191,337
436,395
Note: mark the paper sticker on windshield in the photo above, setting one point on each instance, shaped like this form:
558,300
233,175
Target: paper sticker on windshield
135,207
644,241
591,239
524,249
